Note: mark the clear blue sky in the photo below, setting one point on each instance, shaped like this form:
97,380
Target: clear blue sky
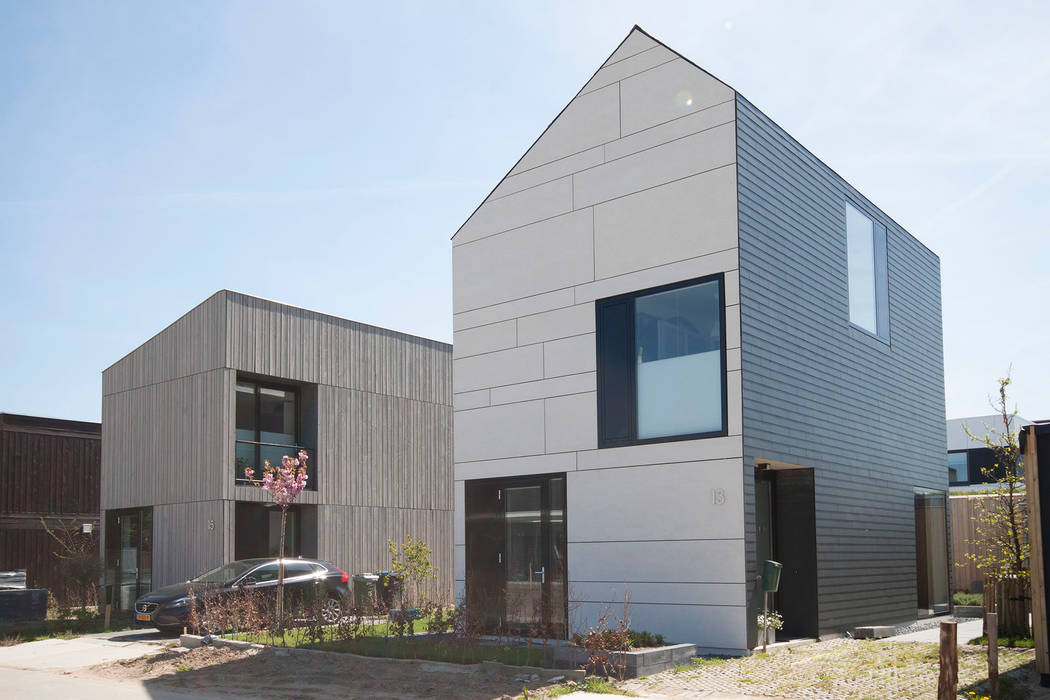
322,154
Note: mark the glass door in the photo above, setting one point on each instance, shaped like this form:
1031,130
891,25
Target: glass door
129,554
526,557
516,554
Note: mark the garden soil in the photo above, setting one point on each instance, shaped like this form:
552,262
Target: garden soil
278,673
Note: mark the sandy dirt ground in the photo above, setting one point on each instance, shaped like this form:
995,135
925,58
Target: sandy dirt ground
278,674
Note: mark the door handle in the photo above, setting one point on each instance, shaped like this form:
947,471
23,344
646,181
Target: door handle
542,573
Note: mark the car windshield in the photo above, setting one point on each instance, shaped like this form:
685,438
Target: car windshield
226,572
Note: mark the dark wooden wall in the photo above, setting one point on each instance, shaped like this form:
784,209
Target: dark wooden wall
50,469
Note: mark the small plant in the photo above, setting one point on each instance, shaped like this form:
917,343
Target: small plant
645,639
771,620
604,644
411,562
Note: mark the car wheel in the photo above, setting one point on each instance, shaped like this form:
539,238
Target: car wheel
332,611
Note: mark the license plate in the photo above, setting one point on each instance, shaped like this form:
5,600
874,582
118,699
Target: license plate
142,617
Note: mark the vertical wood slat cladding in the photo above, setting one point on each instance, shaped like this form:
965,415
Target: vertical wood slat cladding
50,474
384,431
192,344
867,416
357,537
172,559
162,442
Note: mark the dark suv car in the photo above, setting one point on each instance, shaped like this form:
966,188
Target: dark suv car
168,608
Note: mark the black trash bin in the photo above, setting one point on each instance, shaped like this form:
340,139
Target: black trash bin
365,592
387,588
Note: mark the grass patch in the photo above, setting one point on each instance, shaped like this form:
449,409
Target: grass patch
409,648
297,636
1011,642
968,599
590,684
31,631
700,662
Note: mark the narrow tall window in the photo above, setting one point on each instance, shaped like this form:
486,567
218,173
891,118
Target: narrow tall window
866,263
661,364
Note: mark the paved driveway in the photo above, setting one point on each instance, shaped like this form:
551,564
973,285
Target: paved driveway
48,668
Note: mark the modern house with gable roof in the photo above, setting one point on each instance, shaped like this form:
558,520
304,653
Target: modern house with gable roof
684,345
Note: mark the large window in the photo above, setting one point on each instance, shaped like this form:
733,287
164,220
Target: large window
661,364
267,425
866,263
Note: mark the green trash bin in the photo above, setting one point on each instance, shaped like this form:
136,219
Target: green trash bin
771,575
365,592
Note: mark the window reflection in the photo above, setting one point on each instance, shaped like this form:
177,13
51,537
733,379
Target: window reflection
678,342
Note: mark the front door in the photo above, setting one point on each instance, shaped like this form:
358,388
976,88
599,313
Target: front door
129,554
516,556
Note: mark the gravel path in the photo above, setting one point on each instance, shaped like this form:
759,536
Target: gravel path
843,668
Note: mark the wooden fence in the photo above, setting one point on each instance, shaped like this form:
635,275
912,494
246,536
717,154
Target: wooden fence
965,576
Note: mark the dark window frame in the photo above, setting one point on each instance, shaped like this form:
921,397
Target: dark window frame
631,366
259,383
965,453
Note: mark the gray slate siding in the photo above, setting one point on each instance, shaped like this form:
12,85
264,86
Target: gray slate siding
866,415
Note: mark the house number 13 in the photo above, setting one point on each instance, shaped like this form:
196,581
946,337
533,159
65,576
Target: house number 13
718,497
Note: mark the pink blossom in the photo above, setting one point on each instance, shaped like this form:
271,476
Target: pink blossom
285,482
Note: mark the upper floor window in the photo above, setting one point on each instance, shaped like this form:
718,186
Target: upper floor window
267,427
958,470
866,263
661,364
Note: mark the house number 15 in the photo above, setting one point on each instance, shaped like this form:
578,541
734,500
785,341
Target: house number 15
718,497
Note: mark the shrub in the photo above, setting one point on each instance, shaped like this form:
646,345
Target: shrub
646,639
968,599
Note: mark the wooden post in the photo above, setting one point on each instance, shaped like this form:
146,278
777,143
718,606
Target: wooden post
1036,555
765,618
948,680
991,626
988,589
109,609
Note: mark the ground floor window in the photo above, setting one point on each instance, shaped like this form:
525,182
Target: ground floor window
129,555
257,531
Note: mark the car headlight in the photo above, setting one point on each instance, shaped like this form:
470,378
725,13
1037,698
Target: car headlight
179,603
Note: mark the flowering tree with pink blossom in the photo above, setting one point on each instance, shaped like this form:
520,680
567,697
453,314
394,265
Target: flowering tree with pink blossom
284,484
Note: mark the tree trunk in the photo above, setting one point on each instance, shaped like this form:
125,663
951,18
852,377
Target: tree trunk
280,574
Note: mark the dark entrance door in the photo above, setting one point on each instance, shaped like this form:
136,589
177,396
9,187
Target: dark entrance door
785,525
516,554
